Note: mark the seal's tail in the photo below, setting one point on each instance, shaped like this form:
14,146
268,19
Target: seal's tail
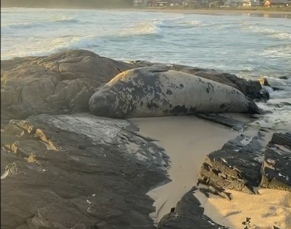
253,108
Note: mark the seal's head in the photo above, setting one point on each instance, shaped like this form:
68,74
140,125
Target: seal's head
103,104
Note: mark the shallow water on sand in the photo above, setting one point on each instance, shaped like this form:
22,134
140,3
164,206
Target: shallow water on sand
187,140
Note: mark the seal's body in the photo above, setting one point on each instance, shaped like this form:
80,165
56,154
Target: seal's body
155,91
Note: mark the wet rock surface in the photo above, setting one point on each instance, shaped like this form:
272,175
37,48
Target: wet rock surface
276,172
282,139
224,120
244,163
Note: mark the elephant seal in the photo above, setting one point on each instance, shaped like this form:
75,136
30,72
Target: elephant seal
157,91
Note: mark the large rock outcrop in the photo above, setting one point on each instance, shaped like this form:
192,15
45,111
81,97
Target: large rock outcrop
77,171
276,172
63,82
188,214
82,171
55,84
244,163
235,166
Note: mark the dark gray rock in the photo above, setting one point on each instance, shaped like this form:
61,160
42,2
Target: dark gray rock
243,163
236,166
276,172
223,120
282,139
56,84
188,215
78,171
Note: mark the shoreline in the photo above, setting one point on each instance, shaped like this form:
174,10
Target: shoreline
216,11
269,207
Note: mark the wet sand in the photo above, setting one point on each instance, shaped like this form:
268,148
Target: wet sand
220,11
187,140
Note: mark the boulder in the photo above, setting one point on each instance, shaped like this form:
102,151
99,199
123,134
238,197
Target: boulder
55,84
224,120
78,171
282,139
186,214
244,163
276,172
235,166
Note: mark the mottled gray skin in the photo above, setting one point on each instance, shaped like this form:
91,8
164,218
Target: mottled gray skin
155,91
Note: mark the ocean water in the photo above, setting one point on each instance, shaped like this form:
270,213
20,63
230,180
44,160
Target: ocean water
241,44
254,46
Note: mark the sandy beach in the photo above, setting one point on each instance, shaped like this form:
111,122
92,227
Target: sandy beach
268,208
219,11
187,140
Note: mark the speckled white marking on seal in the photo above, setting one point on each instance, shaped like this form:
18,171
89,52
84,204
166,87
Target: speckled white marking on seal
177,89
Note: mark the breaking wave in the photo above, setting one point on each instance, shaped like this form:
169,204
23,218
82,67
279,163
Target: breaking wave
237,44
142,28
270,32
277,51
